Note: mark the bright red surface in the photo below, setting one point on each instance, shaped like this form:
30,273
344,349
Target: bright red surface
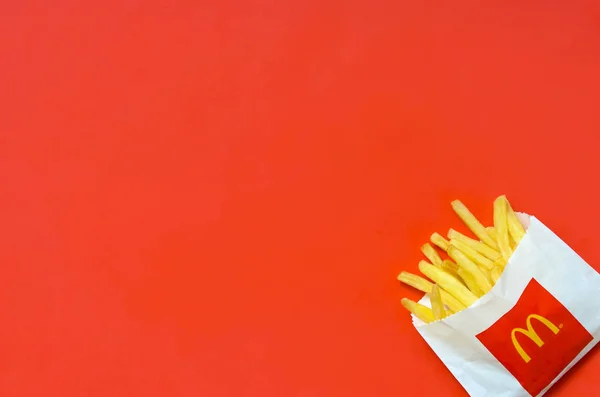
215,199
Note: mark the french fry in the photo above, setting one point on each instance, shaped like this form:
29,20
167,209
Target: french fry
478,246
515,228
496,272
476,227
465,263
473,255
453,305
487,275
424,313
437,306
416,282
471,283
448,283
440,241
451,268
491,230
500,262
474,268
426,286
431,254
513,243
501,225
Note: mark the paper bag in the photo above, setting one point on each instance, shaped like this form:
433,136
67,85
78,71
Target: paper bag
541,317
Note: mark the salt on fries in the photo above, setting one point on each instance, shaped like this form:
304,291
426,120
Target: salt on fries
475,265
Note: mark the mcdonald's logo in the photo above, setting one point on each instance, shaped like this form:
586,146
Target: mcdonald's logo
536,339
531,334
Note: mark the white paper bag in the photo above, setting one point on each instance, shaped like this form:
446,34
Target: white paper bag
541,317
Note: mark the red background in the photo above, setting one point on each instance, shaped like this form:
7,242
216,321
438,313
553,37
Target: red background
215,198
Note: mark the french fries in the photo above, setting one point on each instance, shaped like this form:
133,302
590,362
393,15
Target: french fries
471,283
492,232
473,255
478,246
437,306
495,273
501,225
475,264
513,243
431,254
424,313
449,283
476,227
451,268
500,262
471,268
440,241
426,286
515,228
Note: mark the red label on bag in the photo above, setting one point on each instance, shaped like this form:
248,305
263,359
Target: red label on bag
536,339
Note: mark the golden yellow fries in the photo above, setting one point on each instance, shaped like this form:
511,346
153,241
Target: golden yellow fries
496,272
513,244
500,262
449,283
423,285
416,282
440,241
437,306
478,246
471,283
475,265
515,228
465,263
473,255
491,230
451,268
422,312
476,227
431,254
501,225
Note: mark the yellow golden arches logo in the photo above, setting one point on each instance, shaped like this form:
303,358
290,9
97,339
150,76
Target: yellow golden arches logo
531,334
